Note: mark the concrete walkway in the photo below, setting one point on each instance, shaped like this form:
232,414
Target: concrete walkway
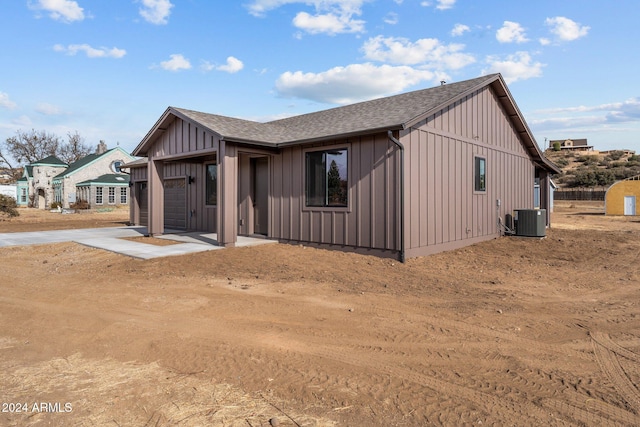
111,239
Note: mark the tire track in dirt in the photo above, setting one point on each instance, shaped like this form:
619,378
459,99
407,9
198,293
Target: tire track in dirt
606,341
610,365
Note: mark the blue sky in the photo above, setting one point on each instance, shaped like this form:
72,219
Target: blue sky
108,69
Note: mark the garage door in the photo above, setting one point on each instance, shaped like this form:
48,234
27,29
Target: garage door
175,203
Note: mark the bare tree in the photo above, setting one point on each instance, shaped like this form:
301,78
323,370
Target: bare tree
29,147
74,149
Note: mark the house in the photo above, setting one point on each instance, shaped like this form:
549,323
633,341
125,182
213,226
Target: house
51,180
9,190
34,187
402,176
571,144
621,197
103,164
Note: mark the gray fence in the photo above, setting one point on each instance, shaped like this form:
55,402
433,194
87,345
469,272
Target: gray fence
579,194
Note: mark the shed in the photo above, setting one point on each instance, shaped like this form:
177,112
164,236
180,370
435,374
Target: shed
621,197
401,176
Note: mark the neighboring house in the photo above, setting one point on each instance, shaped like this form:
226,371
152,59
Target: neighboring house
51,180
100,164
106,190
35,187
8,190
402,176
621,198
572,144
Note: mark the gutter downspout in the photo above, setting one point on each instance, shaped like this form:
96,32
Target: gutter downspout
399,144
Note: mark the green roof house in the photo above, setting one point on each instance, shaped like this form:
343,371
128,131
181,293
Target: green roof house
34,188
51,180
100,167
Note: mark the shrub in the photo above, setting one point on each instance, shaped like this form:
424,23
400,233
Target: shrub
616,155
556,146
80,204
56,205
8,206
561,162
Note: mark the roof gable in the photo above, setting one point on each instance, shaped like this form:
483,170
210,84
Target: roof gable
87,161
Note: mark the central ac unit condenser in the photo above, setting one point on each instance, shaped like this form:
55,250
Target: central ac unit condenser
531,222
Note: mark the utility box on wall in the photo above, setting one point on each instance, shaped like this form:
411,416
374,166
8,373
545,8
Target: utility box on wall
531,222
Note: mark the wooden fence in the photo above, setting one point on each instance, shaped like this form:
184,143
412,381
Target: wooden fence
579,194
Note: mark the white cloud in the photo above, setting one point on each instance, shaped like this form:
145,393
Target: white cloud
511,32
328,23
91,52
544,41
565,29
391,18
445,4
60,10
233,65
331,16
48,109
518,66
440,4
156,11
428,52
460,29
6,102
353,83
176,63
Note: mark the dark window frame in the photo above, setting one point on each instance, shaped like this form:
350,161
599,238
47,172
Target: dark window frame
480,174
322,165
211,185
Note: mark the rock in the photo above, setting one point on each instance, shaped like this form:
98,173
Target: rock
499,311
274,422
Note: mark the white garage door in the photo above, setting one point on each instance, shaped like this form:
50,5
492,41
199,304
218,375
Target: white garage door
175,203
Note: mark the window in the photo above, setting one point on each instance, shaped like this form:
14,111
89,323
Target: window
212,185
326,178
112,195
123,195
115,166
23,195
480,174
98,195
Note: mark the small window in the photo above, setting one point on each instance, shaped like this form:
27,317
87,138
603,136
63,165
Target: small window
123,195
480,174
23,195
115,166
326,178
112,195
212,185
98,195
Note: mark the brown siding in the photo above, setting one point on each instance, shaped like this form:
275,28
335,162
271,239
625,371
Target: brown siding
183,138
370,222
442,209
199,217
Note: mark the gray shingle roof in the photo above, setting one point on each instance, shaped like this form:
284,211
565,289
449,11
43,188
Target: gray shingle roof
391,112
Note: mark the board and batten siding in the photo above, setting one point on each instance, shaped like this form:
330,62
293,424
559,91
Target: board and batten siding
371,221
182,138
442,210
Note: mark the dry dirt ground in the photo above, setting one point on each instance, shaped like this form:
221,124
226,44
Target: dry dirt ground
512,331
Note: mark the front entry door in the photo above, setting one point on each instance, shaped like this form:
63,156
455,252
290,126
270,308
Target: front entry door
260,172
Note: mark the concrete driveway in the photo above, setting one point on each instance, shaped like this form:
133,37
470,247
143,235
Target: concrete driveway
111,239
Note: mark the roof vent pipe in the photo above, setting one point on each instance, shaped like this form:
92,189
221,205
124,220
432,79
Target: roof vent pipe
442,82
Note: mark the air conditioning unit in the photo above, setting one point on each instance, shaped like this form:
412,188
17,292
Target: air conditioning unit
531,222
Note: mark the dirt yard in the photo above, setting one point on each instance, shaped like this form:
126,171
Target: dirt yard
512,331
